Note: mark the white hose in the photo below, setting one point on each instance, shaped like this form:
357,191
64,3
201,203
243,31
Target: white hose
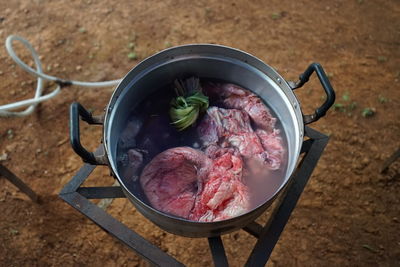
6,110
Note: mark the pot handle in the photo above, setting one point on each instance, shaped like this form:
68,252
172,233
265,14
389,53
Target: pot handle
77,110
330,93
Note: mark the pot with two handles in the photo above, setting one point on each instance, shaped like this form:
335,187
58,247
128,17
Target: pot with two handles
209,62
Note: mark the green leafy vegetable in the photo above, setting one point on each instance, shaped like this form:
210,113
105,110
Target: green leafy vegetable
189,103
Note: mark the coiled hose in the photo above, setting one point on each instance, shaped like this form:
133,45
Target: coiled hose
7,110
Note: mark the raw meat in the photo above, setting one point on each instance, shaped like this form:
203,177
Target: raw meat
224,195
214,151
133,160
231,120
128,136
236,97
247,143
273,145
208,130
232,128
184,182
220,122
171,181
223,90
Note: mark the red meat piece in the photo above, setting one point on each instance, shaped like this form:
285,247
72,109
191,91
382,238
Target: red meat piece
185,182
223,90
273,145
224,195
231,128
234,96
220,122
247,143
231,120
213,151
208,130
171,180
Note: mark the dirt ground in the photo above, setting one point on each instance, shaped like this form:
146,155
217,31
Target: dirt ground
348,214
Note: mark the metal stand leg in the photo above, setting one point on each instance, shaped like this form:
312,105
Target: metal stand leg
78,197
390,160
218,251
6,173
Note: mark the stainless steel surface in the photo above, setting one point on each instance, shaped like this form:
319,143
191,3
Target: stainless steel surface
205,61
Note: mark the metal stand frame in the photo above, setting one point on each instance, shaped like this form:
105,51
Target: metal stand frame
267,235
390,160
10,176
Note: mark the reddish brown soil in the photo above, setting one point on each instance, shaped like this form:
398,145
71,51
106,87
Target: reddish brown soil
348,214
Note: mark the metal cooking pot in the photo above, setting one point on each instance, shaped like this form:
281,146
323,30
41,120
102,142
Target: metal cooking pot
204,61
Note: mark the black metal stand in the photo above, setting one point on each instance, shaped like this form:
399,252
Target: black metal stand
390,160
6,173
267,235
